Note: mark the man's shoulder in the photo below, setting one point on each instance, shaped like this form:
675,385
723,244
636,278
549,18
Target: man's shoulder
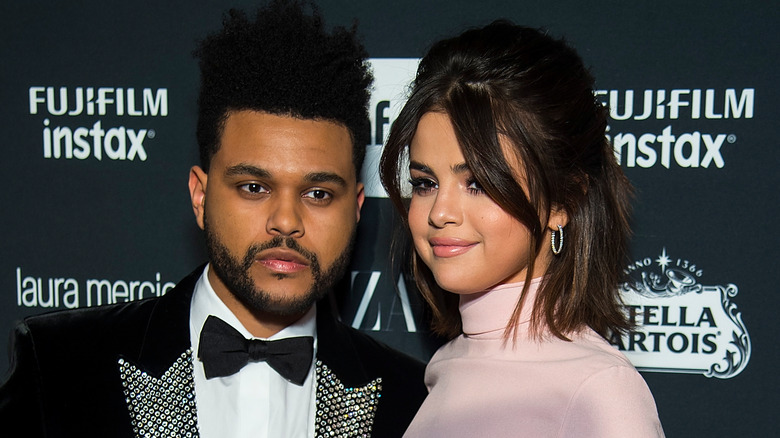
68,326
110,317
369,346
357,358
373,354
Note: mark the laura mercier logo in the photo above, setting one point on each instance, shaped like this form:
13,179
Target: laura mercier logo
682,325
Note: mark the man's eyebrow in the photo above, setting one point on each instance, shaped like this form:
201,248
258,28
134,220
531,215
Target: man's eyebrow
258,172
247,169
325,177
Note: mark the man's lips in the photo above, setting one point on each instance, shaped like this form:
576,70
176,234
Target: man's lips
282,260
450,246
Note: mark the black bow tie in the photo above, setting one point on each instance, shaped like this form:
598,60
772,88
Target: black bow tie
224,351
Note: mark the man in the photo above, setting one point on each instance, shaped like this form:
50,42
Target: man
281,129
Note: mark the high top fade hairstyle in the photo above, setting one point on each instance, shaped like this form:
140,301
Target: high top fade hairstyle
284,62
532,91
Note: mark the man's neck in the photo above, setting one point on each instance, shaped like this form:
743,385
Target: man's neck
259,324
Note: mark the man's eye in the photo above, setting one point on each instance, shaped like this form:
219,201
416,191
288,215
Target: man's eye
253,188
318,195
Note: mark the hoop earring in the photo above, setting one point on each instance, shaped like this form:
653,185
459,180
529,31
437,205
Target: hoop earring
555,250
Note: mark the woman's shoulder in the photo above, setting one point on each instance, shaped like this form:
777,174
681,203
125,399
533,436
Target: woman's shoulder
610,403
592,345
611,397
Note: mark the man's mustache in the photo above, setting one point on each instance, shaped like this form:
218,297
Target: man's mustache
278,242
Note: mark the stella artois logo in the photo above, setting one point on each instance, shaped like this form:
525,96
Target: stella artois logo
681,324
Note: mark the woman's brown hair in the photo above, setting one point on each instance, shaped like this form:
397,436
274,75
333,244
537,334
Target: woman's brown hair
517,85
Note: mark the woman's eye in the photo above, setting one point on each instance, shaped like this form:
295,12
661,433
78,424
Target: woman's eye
421,186
474,187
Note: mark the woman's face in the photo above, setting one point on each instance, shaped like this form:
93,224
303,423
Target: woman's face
467,241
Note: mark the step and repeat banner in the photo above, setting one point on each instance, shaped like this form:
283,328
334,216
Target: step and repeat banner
98,120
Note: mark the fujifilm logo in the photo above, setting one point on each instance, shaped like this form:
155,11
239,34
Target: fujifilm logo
670,148
661,147
690,149
96,141
98,101
728,104
680,324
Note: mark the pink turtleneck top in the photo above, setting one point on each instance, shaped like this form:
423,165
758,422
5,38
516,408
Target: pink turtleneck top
482,385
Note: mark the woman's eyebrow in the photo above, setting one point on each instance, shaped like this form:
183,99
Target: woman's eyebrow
460,168
416,165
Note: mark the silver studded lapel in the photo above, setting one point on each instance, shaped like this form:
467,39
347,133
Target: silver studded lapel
163,407
341,411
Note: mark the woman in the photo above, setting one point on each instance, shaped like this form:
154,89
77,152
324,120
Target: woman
519,217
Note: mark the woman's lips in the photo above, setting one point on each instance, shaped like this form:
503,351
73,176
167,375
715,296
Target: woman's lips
450,247
283,261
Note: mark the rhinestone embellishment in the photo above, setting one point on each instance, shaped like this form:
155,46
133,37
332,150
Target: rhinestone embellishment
163,407
344,412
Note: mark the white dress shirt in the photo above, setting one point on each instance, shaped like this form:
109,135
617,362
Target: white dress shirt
255,402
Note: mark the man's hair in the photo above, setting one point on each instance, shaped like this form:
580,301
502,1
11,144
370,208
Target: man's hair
518,84
284,63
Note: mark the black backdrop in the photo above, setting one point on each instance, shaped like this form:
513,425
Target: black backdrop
692,85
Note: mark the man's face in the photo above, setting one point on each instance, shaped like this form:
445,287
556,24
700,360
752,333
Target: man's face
279,205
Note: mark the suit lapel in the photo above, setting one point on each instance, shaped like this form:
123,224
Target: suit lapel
347,397
336,349
344,411
167,334
163,406
158,383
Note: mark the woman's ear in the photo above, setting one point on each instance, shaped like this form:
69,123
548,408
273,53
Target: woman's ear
558,216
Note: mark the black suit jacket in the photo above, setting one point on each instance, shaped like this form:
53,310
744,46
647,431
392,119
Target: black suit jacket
65,378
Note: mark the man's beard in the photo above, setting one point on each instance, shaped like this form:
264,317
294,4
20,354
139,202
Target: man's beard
234,273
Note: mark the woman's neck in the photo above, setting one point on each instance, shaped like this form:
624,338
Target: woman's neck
490,311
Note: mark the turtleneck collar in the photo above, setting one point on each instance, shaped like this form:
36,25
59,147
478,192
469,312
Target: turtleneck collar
490,311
